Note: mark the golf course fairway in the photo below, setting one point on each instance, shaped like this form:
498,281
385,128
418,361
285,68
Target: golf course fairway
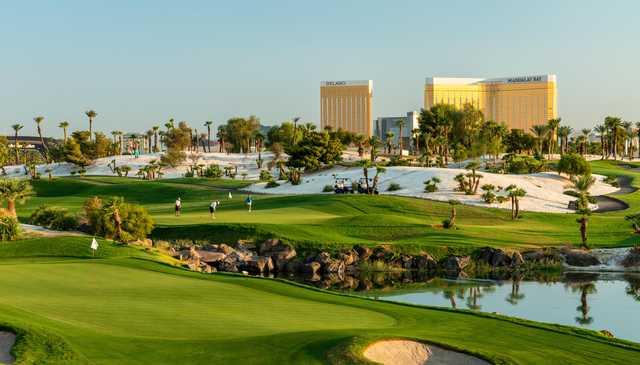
129,306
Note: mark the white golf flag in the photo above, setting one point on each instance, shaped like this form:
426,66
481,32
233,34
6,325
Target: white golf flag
94,244
230,197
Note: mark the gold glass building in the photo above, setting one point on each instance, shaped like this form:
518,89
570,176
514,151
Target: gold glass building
520,102
347,105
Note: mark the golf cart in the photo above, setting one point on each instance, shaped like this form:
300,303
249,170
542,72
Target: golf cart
362,186
343,185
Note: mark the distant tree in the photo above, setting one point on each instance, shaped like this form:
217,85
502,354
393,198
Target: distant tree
16,128
401,123
208,124
515,193
64,125
573,164
177,141
155,130
451,221
91,114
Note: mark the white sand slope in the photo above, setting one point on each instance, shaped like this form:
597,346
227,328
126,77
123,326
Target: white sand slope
245,163
7,339
544,190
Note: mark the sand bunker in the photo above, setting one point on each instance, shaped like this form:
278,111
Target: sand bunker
7,339
405,352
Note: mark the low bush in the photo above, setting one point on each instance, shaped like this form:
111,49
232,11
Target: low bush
213,171
116,219
431,185
611,180
55,218
9,228
265,175
271,184
394,187
447,223
327,189
517,164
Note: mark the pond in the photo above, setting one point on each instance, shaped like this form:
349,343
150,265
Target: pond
593,301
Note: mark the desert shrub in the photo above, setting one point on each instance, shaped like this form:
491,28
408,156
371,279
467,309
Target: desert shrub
295,176
55,218
394,187
447,223
135,223
189,174
65,222
265,175
271,184
398,161
516,164
575,194
573,164
213,171
9,228
327,189
489,195
611,180
431,185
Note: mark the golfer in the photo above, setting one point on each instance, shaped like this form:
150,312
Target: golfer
212,208
249,202
178,206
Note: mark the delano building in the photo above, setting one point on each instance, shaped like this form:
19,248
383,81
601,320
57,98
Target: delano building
520,102
347,105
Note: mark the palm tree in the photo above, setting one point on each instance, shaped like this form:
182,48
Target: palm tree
602,132
366,164
515,296
155,130
585,146
359,140
415,133
379,170
16,128
208,124
64,125
401,123
540,132
170,124
454,214
91,114
295,130
628,134
14,190
389,139
222,136
515,193
150,134
585,289
552,125
39,120
112,212
613,125
259,140
373,146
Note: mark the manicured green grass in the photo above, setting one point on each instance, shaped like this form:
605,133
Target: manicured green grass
125,308
327,220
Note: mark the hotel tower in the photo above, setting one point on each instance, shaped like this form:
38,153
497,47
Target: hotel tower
520,102
347,105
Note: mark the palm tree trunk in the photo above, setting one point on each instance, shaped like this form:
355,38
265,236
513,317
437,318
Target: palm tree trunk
15,145
90,129
11,207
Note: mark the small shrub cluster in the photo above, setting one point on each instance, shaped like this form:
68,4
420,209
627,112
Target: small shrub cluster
431,185
265,175
327,189
271,184
611,180
394,187
9,228
212,171
575,194
116,219
517,164
55,218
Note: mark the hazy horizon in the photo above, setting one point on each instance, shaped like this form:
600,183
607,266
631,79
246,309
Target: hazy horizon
139,64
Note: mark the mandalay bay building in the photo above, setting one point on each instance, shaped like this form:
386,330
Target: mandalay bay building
347,105
520,102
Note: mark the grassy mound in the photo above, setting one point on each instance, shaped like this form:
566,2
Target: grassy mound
121,309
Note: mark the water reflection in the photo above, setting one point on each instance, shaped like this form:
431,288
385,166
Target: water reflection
596,301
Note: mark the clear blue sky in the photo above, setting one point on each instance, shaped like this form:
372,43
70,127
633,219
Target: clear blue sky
138,63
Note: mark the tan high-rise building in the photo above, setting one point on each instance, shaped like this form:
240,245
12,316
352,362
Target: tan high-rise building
347,105
519,102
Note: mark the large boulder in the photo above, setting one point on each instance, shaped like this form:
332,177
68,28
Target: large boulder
383,253
349,257
311,268
224,248
210,257
493,257
279,252
424,262
258,265
454,264
632,258
334,266
364,252
580,258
